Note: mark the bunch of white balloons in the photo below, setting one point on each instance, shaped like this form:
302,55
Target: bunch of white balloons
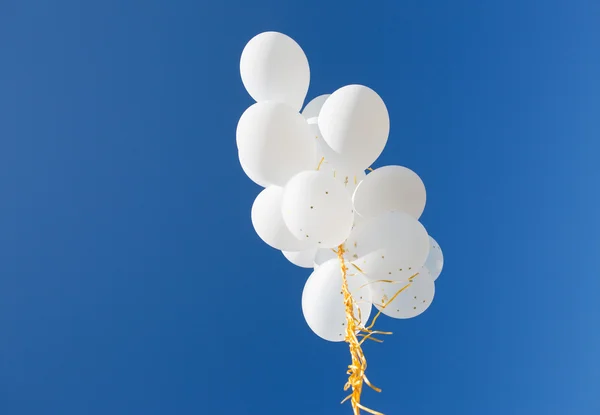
317,195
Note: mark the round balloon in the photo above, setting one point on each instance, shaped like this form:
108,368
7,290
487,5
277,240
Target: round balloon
274,143
412,301
390,188
349,178
313,108
435,260
358,219
320,161
323,255
268,222
355,125
351,242
251,175
317,208
274,68
392,246
303,259
323,302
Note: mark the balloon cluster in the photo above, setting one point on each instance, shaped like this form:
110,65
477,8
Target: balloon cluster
360,232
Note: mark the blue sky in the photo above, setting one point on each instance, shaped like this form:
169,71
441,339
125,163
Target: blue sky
131,280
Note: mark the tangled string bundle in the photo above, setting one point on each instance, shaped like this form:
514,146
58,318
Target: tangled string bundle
326,209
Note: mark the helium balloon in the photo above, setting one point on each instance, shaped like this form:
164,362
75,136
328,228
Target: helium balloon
358,219
351,242
390,188
323,255
393,244
313,108
317,208
302,259
323,302
350,179
274,143
251,175
355,125
268,222
274,68
320,157
435,260
412,301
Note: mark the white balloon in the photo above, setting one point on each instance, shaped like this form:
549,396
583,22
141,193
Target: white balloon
313,108
323,302
349,178
351,242
390,188
324,153
303,259
358,219
391,246
355,124
435,260
412,301
320,160
317,207
268,222
274,143
323,255
251,175
274,68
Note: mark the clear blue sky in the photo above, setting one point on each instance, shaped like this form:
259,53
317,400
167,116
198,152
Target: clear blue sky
131,280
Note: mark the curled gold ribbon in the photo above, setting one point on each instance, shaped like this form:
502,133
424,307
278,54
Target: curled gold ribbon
358,367
354,330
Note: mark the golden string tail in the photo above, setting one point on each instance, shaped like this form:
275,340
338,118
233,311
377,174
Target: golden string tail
355,329
320,163
358,367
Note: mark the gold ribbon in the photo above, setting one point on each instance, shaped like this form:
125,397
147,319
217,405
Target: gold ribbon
358,367
354,330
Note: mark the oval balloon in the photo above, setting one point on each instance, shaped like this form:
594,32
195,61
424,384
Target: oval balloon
355,125
302,259
323,302
392,245
435,260
323,255
351,242
320,161
358,219
313,108
268,222
350,179
390,188
251,175
410,302
274,68
274,143
317,207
